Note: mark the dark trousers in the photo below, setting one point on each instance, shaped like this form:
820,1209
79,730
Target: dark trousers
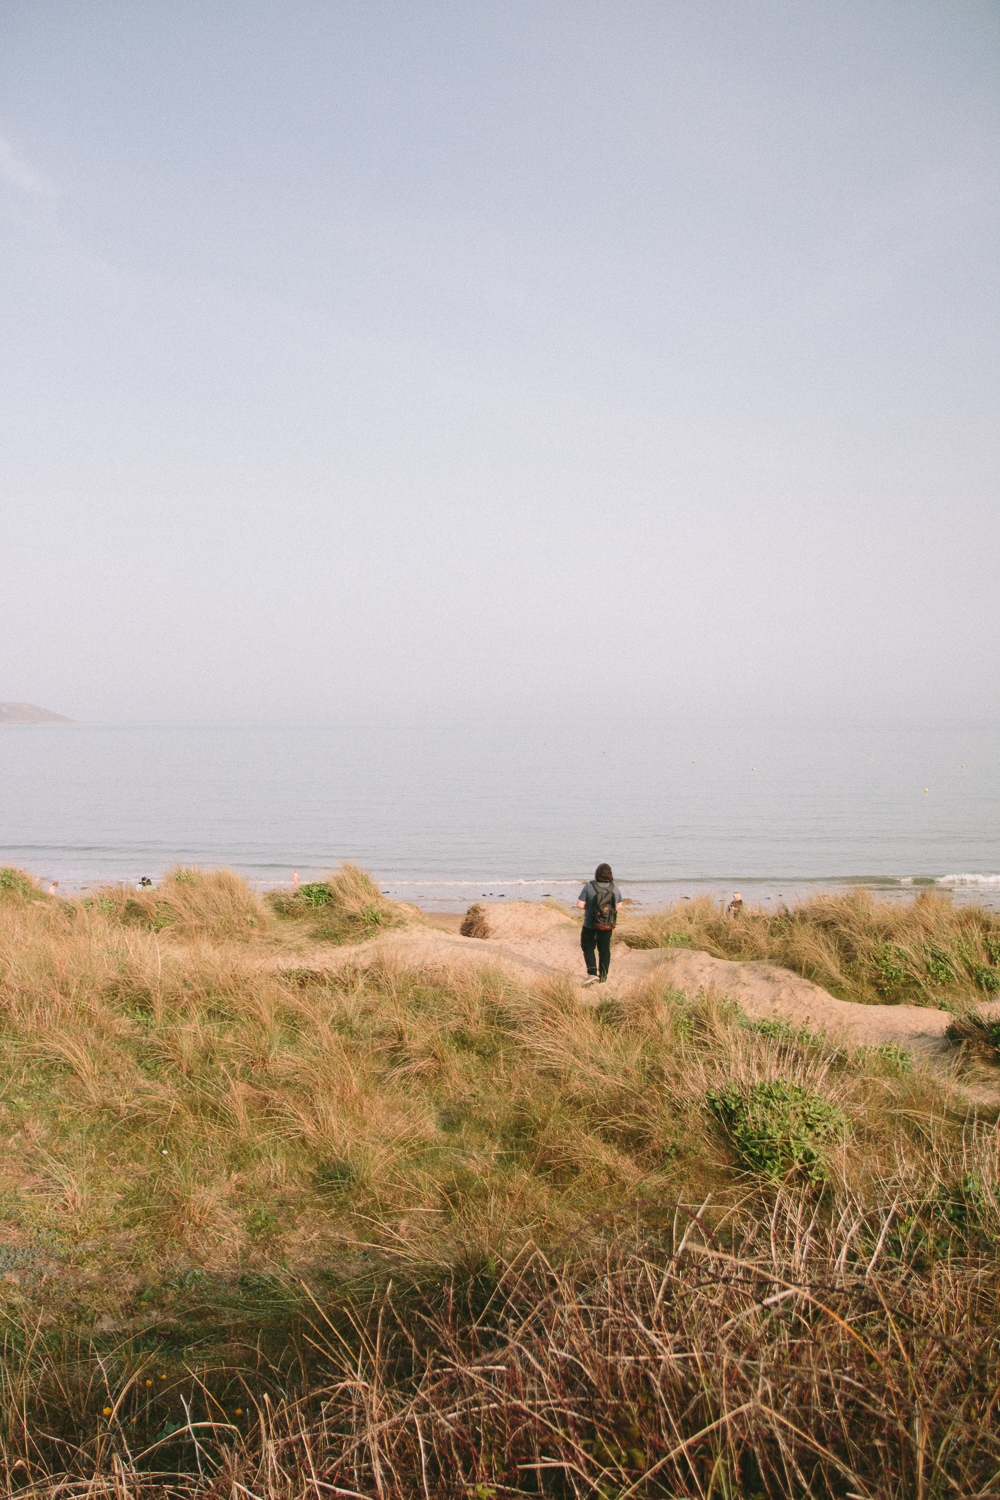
591,939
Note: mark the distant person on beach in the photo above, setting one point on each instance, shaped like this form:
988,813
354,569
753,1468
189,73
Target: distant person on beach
735,906
600,899
145,881
53,887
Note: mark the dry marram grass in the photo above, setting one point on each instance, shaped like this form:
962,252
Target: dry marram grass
925,951
381,1231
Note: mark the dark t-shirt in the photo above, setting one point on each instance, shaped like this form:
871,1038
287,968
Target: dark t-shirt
589,894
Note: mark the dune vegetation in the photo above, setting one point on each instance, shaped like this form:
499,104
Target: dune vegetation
275,1228
920,952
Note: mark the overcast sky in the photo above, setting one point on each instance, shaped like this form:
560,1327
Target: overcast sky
367,359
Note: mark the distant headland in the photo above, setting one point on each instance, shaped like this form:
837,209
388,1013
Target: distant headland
29,713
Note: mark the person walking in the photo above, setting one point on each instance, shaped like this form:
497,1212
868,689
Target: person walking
599,899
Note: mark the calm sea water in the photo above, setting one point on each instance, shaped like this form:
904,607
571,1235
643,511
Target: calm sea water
446,815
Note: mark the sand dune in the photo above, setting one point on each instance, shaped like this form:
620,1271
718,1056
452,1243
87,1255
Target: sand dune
538,942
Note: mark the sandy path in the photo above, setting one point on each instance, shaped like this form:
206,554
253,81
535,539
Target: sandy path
537,942
766,992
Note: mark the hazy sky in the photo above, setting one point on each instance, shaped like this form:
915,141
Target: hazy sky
369,359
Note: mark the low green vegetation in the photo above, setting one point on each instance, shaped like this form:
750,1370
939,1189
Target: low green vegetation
274,1221
922,952
346,907
778,1127
886,1059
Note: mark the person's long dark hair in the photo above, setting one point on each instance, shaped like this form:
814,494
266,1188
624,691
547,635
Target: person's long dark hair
603,873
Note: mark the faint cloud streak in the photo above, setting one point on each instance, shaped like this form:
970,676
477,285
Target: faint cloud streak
18,174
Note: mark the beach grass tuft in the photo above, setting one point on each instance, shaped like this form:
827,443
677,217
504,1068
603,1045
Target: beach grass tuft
475,923
347,905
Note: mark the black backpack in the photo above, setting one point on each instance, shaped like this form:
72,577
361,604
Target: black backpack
605,907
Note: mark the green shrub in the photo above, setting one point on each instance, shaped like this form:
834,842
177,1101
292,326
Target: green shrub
888,1058
940,967
343,908
777,1127
987,978
891,968
315,893
16,881
784,1031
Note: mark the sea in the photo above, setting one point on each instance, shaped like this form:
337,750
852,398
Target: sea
518,809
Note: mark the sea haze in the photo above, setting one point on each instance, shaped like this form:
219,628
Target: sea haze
448,814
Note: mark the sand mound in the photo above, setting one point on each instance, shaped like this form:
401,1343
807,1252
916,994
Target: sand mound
513,920
766,992
538,943
434,951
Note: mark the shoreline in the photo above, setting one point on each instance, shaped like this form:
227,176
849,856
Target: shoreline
653,895
455,896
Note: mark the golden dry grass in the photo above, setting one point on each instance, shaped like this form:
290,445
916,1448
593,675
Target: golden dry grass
215,1169
925,951
192,903
474,923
